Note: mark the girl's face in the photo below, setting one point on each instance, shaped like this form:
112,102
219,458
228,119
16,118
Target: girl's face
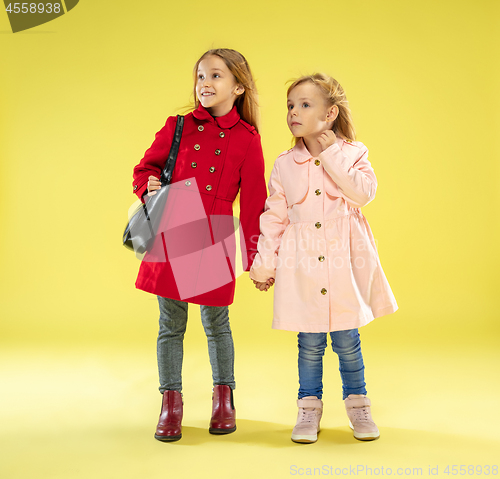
216,87
308,114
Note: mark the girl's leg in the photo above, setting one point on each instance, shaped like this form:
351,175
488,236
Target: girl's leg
348,347
311,350
215,321
173,320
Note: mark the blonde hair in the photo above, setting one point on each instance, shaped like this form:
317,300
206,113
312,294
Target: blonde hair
334,95
246,103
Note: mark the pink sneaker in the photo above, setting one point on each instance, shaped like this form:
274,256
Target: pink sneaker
360,417
307,427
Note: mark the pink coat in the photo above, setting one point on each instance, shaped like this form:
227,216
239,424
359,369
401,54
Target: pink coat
318,245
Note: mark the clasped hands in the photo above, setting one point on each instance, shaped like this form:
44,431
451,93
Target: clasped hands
263,286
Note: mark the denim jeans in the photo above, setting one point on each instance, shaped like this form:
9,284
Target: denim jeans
170,351
311,350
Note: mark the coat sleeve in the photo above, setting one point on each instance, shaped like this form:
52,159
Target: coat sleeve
352,173
154,159
252,199
273,223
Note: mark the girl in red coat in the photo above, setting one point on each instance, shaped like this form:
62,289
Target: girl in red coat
220,154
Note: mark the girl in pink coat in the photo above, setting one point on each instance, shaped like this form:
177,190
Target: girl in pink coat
318,249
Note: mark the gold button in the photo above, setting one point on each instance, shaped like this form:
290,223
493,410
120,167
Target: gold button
196,147
323,291
321,258
317,162
194,164
209,187
135,187
188,183
318,192
201,128
349,141
212,169
221,134
217,152
318,225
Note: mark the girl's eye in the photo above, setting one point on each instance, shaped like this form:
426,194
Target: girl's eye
290,107
306,105
200,77
216,75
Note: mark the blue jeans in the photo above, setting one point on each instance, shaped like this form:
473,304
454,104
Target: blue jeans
311,350
170,351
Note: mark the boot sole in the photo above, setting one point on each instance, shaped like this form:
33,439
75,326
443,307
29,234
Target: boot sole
222,431
168,438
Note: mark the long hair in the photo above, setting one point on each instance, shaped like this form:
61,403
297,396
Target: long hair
334,95
246,103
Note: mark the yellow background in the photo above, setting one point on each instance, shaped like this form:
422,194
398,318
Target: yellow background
82,98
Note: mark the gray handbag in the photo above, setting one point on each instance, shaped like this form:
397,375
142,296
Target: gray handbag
140,231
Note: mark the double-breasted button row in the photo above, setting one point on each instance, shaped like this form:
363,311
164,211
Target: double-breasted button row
198,147
208,187
221,134
201,128
194,165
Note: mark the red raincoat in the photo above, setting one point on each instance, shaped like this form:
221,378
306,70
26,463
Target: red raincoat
219,156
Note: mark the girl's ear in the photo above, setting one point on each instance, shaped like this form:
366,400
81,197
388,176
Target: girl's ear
332,113
240,89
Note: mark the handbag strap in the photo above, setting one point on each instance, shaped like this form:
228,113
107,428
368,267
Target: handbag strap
168,171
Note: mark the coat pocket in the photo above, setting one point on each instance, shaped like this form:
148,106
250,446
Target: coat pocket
295,180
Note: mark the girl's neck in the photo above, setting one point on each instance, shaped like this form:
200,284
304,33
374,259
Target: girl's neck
313,146
217,112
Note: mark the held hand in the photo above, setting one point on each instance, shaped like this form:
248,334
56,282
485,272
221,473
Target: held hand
264,286
326,139
153,184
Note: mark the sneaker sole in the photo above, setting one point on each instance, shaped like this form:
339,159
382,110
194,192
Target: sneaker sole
304,439
364,436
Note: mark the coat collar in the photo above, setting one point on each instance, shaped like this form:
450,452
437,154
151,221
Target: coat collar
301,154
226,121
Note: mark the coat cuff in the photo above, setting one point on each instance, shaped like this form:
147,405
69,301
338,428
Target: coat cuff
140,191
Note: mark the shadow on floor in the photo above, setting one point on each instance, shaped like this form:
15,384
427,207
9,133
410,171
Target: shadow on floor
261,433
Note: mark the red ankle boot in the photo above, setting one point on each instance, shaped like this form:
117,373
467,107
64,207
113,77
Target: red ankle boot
223,413
169,424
